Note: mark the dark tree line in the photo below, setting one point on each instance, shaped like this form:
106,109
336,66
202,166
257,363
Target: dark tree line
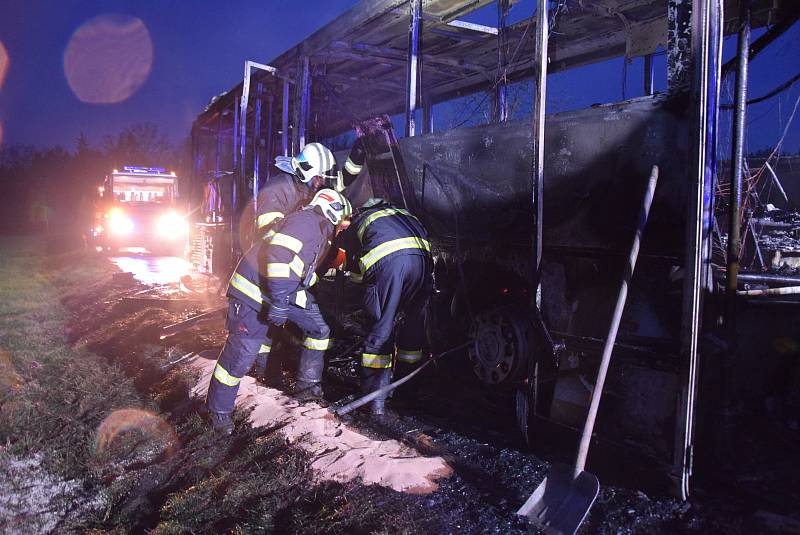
53,190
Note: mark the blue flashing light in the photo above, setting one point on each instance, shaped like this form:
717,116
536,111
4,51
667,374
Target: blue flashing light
144,170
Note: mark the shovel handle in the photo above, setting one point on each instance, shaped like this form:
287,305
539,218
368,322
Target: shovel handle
588,427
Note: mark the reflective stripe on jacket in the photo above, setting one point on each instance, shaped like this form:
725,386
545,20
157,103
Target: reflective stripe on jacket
290,257
276,269
379,232
281,196
355,162
245,282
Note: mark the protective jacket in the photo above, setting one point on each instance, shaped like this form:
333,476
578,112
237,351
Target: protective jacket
300,243
281,196
245,282
355,161
281,268
379,233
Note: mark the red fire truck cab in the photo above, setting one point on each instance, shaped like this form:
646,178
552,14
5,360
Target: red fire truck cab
139,207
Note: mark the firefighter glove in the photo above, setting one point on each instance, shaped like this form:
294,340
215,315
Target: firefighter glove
278,315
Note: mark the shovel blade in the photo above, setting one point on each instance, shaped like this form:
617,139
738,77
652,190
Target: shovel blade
561,502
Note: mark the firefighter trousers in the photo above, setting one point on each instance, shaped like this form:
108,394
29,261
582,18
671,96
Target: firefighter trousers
247,333
400,284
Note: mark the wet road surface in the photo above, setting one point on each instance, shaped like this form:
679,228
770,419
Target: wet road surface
153,269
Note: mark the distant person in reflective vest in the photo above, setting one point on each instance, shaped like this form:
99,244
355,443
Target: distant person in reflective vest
269,288
388,250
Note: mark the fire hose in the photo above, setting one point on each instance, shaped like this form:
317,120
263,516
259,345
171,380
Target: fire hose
360,402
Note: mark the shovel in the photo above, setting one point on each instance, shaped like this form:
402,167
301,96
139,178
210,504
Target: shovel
562,500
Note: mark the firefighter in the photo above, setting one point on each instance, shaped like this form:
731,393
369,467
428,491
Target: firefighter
286,193
314,168
269,288
388,251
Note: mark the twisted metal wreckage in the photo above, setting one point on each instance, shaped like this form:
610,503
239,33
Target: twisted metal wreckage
521,208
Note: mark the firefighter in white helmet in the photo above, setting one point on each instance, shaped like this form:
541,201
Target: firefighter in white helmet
302,176
285,193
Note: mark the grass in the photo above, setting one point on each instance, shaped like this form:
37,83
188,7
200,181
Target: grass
58,394
69,359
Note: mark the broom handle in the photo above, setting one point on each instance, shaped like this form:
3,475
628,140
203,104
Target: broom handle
586,437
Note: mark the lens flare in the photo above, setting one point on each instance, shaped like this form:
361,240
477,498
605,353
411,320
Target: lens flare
4,63
108,59
146,427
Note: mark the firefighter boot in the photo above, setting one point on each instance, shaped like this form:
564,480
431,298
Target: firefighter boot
221,422
309,376
408,392
371,380
260,365
307,391
268,370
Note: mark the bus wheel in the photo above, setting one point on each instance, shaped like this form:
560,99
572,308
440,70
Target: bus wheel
501,345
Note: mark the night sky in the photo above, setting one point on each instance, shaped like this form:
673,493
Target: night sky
199,47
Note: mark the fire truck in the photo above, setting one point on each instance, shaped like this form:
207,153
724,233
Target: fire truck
140,207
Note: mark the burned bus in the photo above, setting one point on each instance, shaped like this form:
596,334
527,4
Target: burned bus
531,212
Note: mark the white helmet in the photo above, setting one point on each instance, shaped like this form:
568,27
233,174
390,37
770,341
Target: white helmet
335,206
314,160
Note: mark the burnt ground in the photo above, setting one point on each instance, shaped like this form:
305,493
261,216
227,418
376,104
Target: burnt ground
451,415
181,478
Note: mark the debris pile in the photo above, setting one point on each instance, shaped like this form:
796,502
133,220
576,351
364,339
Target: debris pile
778,237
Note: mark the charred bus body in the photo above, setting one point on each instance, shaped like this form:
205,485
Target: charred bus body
530,219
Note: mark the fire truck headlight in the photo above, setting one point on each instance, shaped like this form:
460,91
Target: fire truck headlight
119,223
172,226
